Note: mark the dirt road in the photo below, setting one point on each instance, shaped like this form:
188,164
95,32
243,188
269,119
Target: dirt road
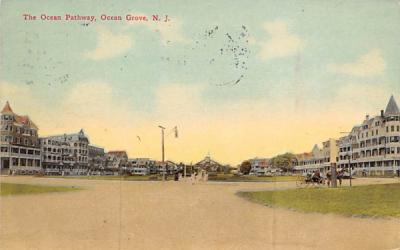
171,215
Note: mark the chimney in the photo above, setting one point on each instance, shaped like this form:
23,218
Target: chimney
382,113
367,117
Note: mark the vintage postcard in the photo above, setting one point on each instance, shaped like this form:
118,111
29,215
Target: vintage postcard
218,124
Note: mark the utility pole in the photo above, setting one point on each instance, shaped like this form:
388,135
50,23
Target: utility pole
350,154
163,150
333,175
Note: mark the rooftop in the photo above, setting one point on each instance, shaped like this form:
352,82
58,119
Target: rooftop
392,108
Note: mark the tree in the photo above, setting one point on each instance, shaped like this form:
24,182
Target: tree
245,167
284,161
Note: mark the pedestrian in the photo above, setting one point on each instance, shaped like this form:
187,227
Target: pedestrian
179,176
176,177
328,178
192,178
340,176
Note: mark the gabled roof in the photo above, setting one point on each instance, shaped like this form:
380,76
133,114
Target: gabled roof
392,108
23,120
207,161
118,153
7,109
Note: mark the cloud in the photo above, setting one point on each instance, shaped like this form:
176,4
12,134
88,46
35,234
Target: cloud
109,45
178,99
19,96
282,43
368,65
92,98
169,31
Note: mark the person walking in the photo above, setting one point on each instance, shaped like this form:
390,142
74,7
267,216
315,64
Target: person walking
328,178
192,178
340,176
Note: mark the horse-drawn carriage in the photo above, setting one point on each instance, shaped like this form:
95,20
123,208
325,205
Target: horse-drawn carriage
311,179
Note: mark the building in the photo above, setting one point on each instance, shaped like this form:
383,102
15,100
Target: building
117,162
373,148
209,165
65,154
19,144
318,159
141,166
260,166
97,160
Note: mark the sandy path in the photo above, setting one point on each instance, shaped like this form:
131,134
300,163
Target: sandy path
156,215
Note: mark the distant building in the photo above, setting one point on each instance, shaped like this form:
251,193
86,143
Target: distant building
97,159
141,166
318,159
209,165
65,154
19,144
373,148
260,166
117,162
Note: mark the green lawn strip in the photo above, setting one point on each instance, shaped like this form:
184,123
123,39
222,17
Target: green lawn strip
20,189
372,200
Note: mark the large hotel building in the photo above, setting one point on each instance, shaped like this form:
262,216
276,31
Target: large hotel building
320,159
19,144
66,154
373,148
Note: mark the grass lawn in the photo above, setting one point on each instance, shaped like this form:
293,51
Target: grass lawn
18,189
248,178
372,200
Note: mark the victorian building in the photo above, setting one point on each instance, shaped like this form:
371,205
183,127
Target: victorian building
117,162
142,166
209,165
97,160
373,148
65,154
19,144
261,166
320,159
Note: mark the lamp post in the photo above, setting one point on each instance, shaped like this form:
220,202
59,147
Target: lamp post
163,150
350,155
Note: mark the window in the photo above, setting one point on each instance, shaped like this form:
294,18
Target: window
15,161
392,129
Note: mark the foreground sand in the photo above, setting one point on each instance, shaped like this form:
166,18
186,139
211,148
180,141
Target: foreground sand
171,215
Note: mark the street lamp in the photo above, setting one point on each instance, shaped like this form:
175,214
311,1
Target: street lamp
163,150
350,155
